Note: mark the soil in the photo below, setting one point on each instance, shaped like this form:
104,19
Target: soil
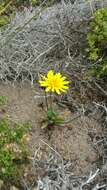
74,141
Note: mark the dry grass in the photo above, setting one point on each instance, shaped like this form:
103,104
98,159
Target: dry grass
54,38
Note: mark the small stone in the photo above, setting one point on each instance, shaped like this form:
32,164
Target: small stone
13,188
1,183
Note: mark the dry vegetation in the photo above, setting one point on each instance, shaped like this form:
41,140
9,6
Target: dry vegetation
73,157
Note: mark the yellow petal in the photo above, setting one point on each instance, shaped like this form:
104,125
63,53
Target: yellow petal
63,78
58,75
57,91
47,89
43,83
53,89
63,90
65,87
65,82
50,74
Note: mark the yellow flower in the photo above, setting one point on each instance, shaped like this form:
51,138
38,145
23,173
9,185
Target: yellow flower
54,82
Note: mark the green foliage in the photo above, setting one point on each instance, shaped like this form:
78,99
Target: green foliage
33,2
100,70
7,11
13,149
53,119
97,39
3,100
98,35
4,20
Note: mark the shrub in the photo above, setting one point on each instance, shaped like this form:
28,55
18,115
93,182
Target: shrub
13,149
100,70
97,40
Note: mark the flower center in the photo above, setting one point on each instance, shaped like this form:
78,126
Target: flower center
54,83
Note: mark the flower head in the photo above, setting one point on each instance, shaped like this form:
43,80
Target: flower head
54,82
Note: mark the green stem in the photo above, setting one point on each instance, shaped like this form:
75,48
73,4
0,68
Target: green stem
51,101
46,101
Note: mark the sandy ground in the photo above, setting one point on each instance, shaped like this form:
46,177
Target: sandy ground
73,141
